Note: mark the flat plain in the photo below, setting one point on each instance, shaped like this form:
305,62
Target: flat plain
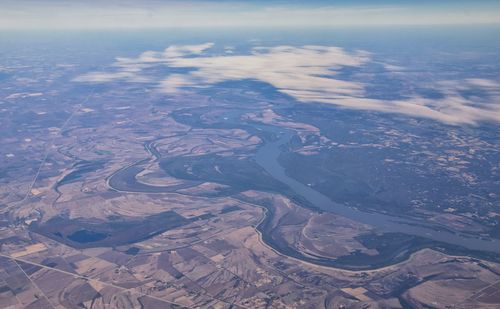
237,196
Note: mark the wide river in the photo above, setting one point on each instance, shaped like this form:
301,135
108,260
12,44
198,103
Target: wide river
267,157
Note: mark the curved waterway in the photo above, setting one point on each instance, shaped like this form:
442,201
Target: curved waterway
125,180
267,157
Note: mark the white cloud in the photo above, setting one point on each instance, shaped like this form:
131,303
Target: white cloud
486,83
105,77
309,74
184,50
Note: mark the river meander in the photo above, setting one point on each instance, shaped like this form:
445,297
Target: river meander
267,157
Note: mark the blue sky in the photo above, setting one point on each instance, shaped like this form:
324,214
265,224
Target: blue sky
93,14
